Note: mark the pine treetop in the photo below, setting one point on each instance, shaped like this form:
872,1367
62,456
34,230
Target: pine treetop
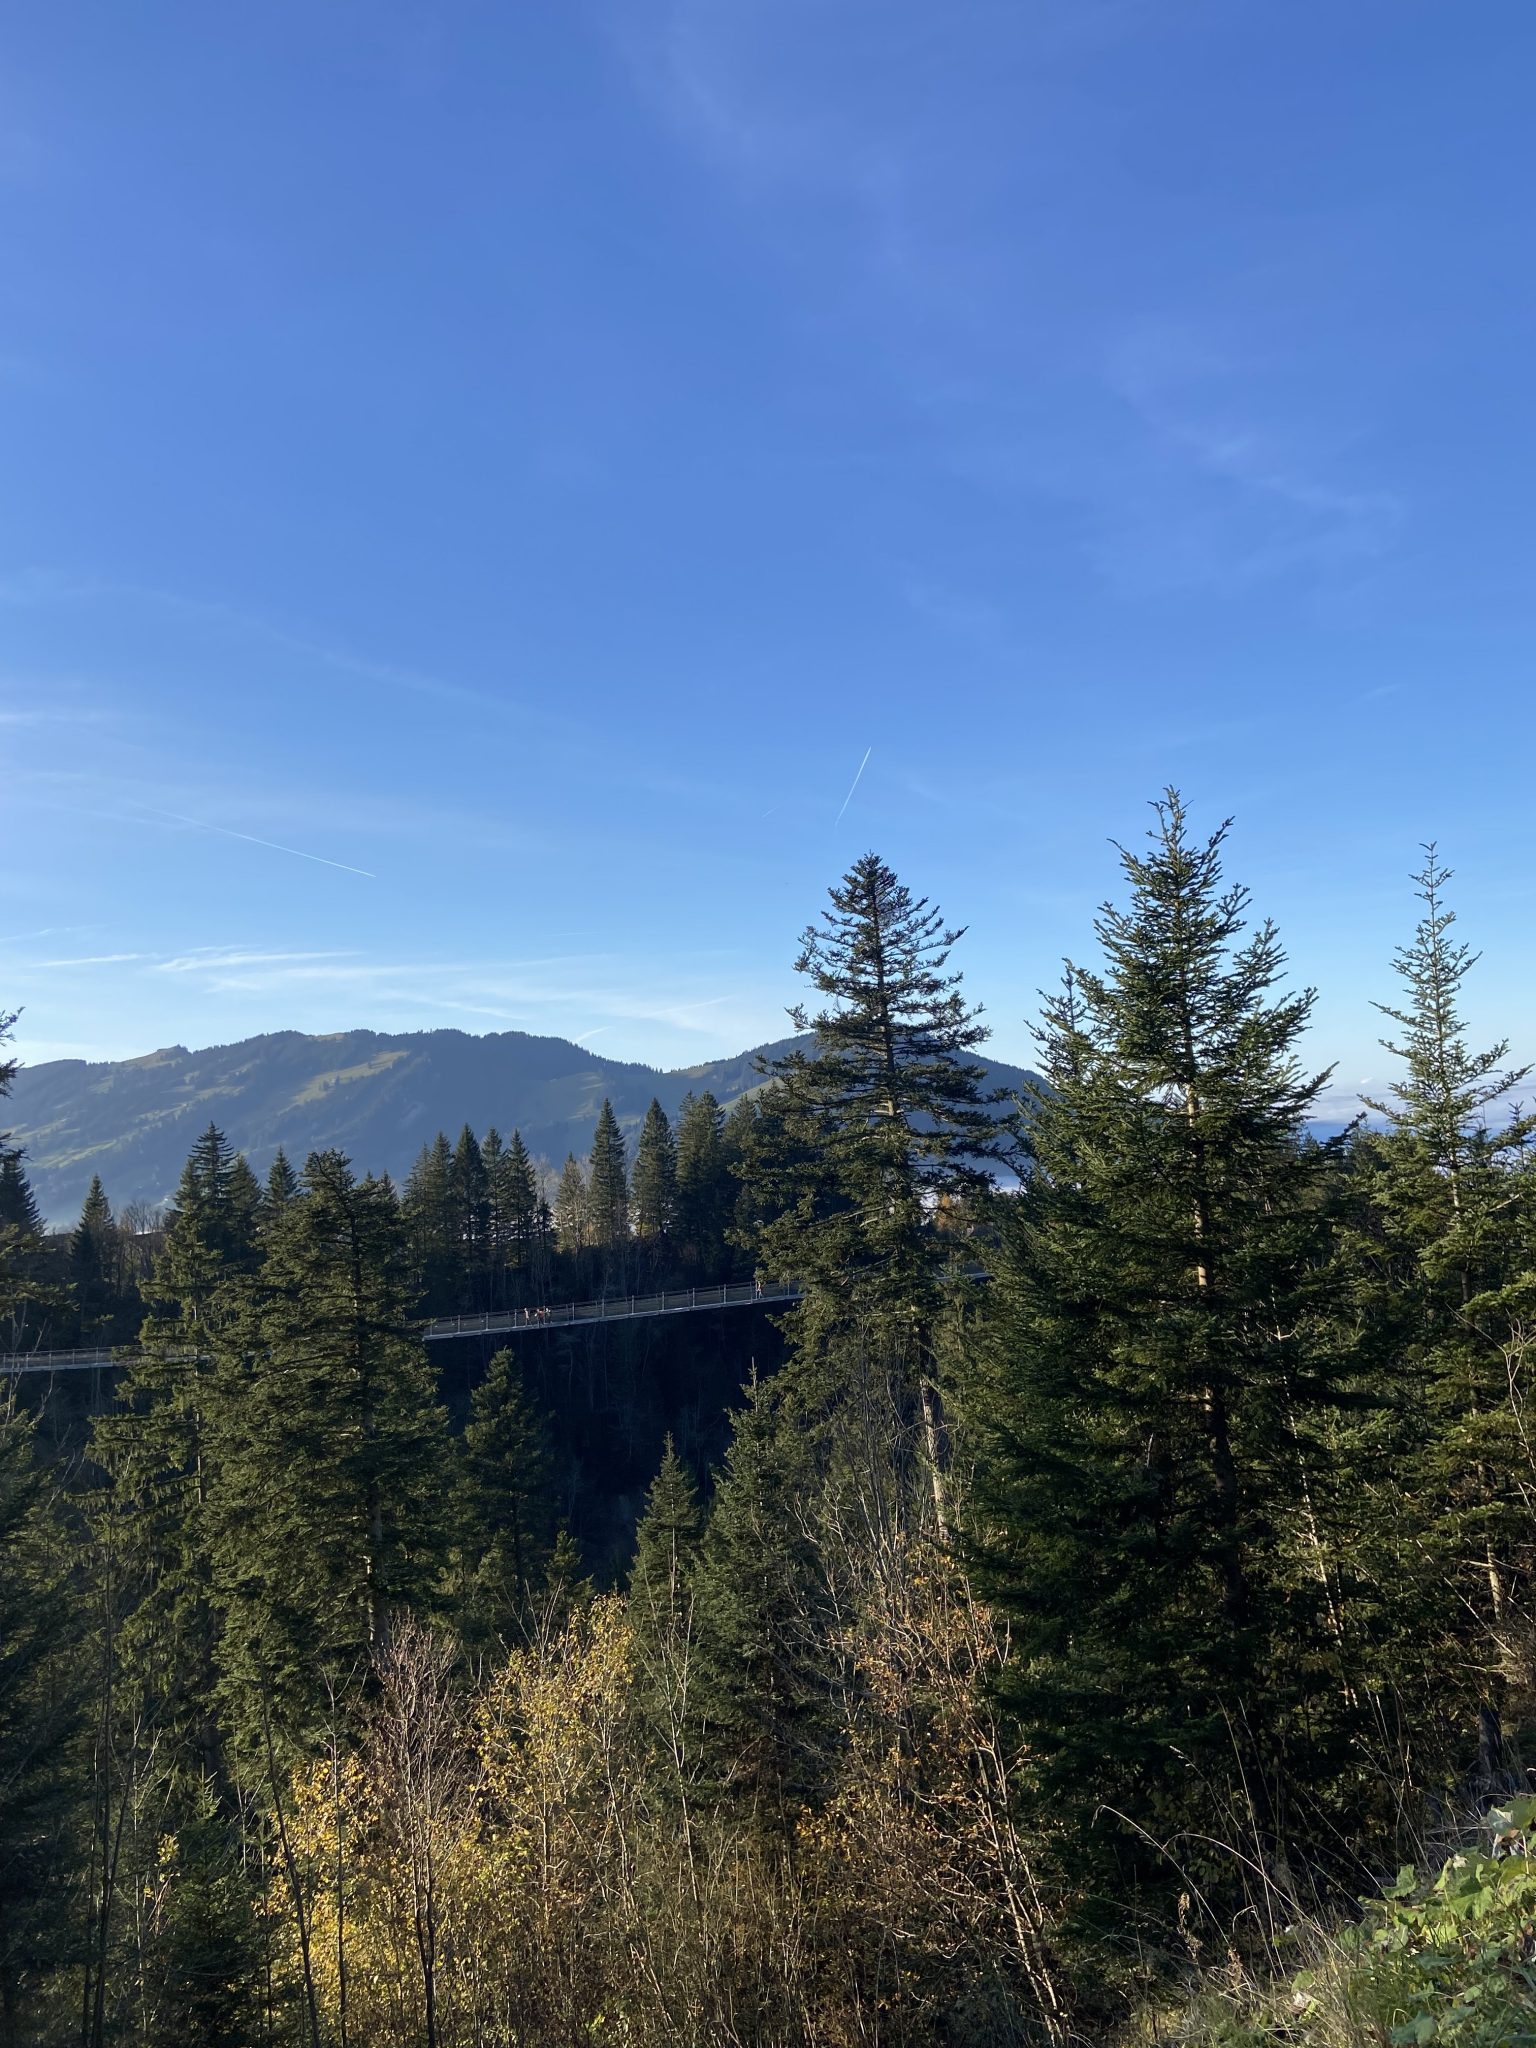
654,1180
892,1037
668,1531
608,1182
1446,1089
18,1204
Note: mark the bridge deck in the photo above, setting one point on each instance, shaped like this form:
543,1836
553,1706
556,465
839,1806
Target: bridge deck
509,1322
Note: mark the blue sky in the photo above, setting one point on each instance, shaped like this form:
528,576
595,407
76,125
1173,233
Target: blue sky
530,453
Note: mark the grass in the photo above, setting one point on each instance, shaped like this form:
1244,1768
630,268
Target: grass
1441,1960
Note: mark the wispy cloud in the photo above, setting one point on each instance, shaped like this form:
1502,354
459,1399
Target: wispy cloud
88,960
211,959
543,990
1272,499
49,586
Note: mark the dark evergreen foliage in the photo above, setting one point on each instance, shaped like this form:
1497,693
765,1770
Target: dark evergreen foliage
759,1686
654,1182
332,1505
1037,1632
705,1189
666,1543
95,1263
607,1185
1156,1392
42,1702
509,1506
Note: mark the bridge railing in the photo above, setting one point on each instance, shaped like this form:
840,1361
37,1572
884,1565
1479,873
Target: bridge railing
63,1361
613,1308
607,1308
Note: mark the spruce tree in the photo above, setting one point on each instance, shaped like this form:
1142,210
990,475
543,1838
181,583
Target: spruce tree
246,1196
493,1157
571,1214
704,1185
759,1685
1156,1395
1449,1273
744,1136
432,1225
281,1187
666,1543
865,1133
94,1263
521,1204
40,1699
661,1616
40,1717
18,1204
163,1445
607,1184
471,1197
204,1946
332,1504
27,1298
508,1514
654,1182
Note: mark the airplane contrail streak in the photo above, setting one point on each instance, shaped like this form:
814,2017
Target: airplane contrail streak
272,845
848,799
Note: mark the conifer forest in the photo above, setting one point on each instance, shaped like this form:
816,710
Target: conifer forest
1101,1609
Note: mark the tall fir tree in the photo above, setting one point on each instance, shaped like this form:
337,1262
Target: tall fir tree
40,1698
95,1264
41,1707
863,1134
521,1205
472,1218
508,1519
18,1204
162,1447
704,1185
28,1298
573,1230
332,1505
493,1156
432,1224
1448,1267
759,1686
666,1544
281,1185
1155,1399
654,1181
203,1938
744,1136
660,1613
246,1194
608,1184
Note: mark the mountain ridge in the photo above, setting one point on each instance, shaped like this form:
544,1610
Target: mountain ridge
376,1095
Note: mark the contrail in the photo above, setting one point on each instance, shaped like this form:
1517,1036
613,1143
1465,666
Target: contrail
271,845
848,799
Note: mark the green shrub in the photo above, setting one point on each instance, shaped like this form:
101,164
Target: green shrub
1457,1961
1449,1963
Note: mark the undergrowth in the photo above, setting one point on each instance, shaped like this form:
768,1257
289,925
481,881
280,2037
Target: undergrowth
1446,1960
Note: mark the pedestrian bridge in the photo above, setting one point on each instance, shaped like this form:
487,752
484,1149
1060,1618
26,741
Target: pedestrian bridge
506,1322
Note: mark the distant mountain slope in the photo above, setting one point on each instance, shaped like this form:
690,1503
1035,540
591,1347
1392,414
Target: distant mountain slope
379,1096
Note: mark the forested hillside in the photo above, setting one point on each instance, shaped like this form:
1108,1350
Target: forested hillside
376,1095
1115,1570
